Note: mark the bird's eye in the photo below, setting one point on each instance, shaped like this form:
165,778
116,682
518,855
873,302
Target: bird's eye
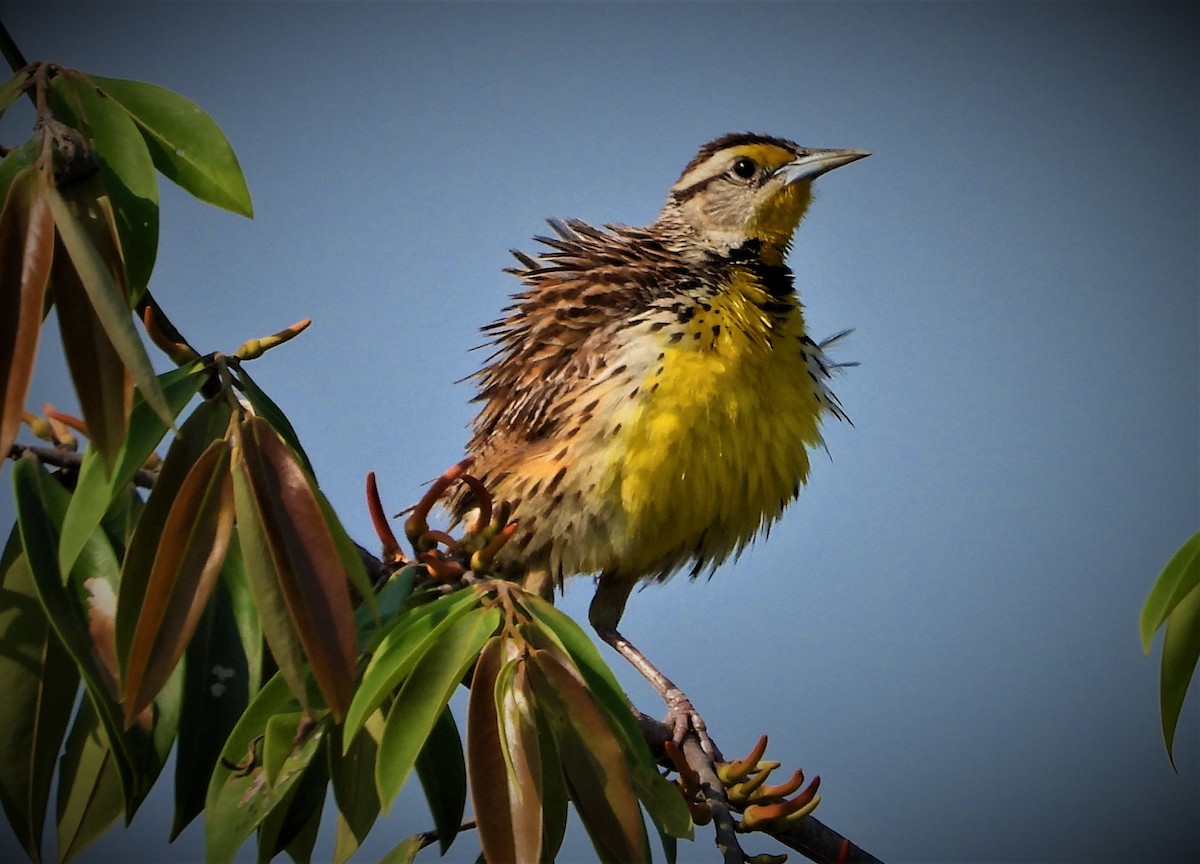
744,168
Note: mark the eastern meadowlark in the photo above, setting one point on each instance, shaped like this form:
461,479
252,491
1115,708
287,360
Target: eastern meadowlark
653,391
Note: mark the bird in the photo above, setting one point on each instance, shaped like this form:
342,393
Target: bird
652,394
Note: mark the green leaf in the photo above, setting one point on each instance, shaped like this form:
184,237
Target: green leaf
293,823
554,792
1181,649
186,145
89,787
593,764
26,256
371,624
10,90
270,608
216,690
265,408
404,643
35,495
1176,581
126,170
347,551
662,801
424,695
190,553
443,775
109,303
208,423
16,161
353,774
505,757
245,614
404,852
239,798
39,683
95,488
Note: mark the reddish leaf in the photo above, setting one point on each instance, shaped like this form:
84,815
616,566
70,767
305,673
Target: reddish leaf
26,251
86,227
206,424
485,760
190,551
102,382
304,557
504,756
593,764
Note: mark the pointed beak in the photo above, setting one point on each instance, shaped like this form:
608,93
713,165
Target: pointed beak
814,163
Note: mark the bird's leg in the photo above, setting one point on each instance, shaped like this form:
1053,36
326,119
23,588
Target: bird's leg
604,614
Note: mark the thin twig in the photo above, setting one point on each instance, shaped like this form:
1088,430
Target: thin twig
810,837
72,461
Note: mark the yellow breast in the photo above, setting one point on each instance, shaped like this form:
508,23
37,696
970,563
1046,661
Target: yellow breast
715,444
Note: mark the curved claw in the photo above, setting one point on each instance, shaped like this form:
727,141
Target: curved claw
684,720
416,526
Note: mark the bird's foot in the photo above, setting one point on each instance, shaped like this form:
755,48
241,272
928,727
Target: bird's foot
684,720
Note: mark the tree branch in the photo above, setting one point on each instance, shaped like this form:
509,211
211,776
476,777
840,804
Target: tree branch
71,460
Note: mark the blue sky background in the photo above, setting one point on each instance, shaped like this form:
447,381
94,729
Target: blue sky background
944,627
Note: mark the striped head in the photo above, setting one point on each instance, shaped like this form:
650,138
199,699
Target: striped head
747,192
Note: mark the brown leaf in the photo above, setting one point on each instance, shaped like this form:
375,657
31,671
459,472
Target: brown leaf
190,552
593,765
102,381
309,571
503,756
26,252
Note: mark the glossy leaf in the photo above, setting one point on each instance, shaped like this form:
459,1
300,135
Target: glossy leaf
133,750
353,775
400,649
352,562
186,145
107,297
216,690
266,408
554,792
593,764
506,775
90,798
443,776
96,487
190,553
660,797
126,172
292,824
1181,649
404,852
102,382
239,798
208,423
371,624
425,694
306,564
39,683
26,253
245,614
270,608
1177,580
